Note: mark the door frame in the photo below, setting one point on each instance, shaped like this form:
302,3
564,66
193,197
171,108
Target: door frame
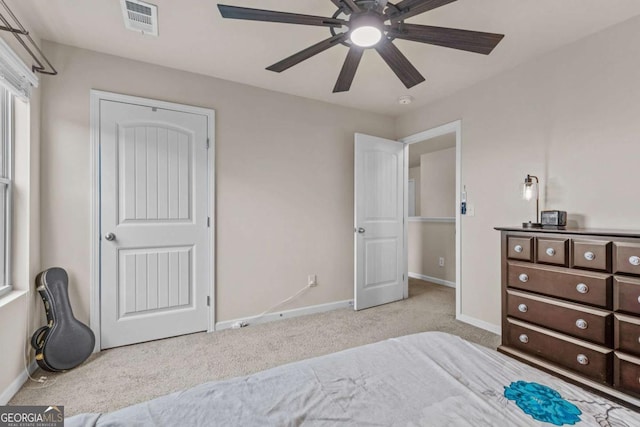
455,126
94,287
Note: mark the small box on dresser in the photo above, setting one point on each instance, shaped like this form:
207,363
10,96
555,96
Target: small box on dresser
571,305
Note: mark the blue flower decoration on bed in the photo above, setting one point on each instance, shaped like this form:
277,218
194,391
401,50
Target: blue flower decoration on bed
542,403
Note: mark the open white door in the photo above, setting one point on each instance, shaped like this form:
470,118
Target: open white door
379,234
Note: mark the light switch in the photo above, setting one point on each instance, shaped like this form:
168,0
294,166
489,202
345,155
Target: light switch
471,209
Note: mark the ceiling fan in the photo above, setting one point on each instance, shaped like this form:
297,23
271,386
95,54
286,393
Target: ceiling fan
363,24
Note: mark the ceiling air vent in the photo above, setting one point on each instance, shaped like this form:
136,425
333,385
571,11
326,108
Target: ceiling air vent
140,16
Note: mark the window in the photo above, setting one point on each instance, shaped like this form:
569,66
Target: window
6,142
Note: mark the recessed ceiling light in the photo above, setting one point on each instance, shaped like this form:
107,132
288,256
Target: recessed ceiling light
405,99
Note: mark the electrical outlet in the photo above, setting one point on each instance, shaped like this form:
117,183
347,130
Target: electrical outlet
312,280
441,261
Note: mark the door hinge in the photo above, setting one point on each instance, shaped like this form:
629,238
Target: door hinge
208,221
208,301
403,277
208,143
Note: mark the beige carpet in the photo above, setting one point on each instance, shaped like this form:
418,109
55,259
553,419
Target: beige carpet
124,376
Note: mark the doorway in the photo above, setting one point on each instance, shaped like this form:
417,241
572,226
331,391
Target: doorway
152,233
432,251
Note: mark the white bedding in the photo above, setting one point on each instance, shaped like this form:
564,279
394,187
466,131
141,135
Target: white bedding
428,379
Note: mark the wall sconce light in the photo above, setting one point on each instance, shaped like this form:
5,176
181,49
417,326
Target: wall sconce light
529,191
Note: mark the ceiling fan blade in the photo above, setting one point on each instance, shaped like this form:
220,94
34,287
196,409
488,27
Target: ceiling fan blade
307,53
399,63
409,8
351,5
349,68
381,4
471,41
234,12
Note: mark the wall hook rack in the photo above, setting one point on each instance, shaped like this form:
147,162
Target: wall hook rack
23,37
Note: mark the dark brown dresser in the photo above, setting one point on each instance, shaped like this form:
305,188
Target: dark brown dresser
571,305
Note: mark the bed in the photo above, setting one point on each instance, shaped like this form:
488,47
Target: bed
427,379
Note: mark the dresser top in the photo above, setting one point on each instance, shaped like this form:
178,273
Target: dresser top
577,231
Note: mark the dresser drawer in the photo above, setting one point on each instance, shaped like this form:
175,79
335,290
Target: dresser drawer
626,295
590,360
587,288
582,322
626,373
553,251
520,248
627,257
591,254
627,334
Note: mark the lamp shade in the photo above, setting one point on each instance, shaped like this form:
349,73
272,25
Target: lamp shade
530,192
529,189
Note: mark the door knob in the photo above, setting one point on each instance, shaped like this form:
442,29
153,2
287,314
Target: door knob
361,230
110,237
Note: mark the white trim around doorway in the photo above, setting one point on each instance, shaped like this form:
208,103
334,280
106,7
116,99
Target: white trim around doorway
456,127
94,289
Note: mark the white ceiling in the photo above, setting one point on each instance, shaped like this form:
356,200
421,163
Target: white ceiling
195,38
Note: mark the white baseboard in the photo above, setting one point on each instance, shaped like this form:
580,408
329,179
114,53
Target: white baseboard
287,314
17,384
480,324
433,280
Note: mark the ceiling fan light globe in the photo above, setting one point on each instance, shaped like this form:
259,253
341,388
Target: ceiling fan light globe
365,36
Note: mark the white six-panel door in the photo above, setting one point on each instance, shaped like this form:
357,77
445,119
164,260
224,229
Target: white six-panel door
379,214
154,219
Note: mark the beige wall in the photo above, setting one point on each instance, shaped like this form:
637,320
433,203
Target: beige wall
414,173
570,117
12,340
284,165
427,242
438,184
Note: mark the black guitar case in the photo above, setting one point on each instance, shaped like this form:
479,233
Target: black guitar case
64,342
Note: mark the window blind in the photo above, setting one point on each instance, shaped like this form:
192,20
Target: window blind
14,74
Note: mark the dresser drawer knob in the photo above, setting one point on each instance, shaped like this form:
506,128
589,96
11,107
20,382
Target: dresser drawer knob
582,359
518,248
634,260
582,324
523,338
524,278
523,308
582,288
589,256
550,251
